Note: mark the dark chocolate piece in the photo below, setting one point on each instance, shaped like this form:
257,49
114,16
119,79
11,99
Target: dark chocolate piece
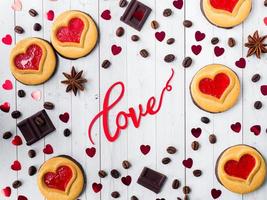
136,14
36,127
152,180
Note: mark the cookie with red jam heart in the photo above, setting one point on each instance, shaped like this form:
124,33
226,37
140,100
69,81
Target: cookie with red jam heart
241,169
32,61
61,178
226,13
215,88
74,34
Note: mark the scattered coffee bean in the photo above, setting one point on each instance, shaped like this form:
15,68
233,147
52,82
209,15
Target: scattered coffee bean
212,139
120,31
48,105
197,173
255,78
21,93
265,3
144,53
16,184
170,41
258,105
134,198
154,24
115,173
123,3
205,120
37,27
19,29
195,145
214,40
126,164
169,58
15,114
67,132
175,184
7,135
171,150
186,190
167,12
33,12
32,170
102,174
178,198
231,42
187,62
135,38
166,161
187,23
115,194
39,121
106,64
31,153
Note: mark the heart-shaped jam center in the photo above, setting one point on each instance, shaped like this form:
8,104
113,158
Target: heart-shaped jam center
29,60
227,5
60,179
215,87
242,168
72,32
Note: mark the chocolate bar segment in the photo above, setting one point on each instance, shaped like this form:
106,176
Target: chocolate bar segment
151,180
36,127
136,14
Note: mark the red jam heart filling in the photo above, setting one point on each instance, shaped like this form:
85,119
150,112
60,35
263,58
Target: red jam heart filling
242,168
71,33
60,179
227,5
29,60
215,87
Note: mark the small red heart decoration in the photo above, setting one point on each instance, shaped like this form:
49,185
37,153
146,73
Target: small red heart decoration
265,20
196,49
126,180
199,36
218,51
160,36
145,149
106,15
6,191
256,129
48,149
178,4
17,140
50,15
90,152
21,197
97,187
5,107
236,127
215,193
188,163
115,49
16,166
264,90
7,40
7,85
241,63
64,117
196,132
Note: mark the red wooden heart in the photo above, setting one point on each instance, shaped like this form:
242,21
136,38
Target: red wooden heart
6,191
5,107
145,149
21,197
90,152
17,140
97,187
16,166
188,163
242,168
126,180
196,132
72,32
29,60
48,149
227,5
215,87
64,117
60,179
215,193
236,127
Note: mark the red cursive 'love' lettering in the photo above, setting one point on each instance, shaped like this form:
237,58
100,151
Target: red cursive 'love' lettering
151,109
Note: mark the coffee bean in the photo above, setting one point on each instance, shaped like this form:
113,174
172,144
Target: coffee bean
102,174
171,150
15,114
170,41
67,132
175,184
31,153
115,194
16,184
265,3
7,135
120,31
48,105
195,145
214,40
187,23
134,198
33,12
178,198
126,164
258,105
32,170
212,139
37,27
255,78
205,120
106,64
123,3
144,53
169,58
167,12
186,190
21,93
197,173
231,42
39,121
166,161
135,38
187,62
19,29
154,24
115,173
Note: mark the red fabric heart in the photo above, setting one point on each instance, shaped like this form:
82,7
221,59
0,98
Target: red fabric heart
72,32
241,63
199,36
178,4
97,187
60,179
236,127
256,129
90,152
215,87
242,168
126,180
145,149
5,107
196,49
160,36
188,163
218,51
29,60
21,197
7,39
115,49
215,193
7,85
227,5
17,140
64,117
106,15
6,191
264,90
16,166
48,149
50,15
196,132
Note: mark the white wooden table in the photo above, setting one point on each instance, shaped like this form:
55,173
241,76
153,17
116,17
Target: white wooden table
142,78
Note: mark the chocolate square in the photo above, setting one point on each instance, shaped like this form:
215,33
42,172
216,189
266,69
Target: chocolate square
151,180
36,127
136,14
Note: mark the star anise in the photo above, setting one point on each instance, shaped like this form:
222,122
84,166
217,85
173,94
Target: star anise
256,45
74,81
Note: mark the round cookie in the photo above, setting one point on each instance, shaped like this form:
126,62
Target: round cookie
226,13
61,178
215,88
74,34
241,169
32,61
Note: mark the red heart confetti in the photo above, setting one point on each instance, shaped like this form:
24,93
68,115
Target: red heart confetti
115,49
64,117
145,149
188,163
160,36
196,49
265,20
218,51
90,152
241,63
256,129
106,15
17,140
16,166
6,191
48,149
215,193
236,127
97,187
5,107
21,197
196,132
50,15
7,85
178,4
264,90
126,180
7,40
199,36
